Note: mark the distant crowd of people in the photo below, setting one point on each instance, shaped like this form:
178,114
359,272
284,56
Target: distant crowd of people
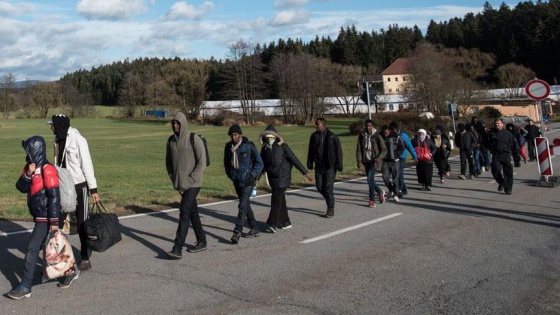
382,150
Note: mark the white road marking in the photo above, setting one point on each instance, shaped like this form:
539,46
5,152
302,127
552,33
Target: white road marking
348,229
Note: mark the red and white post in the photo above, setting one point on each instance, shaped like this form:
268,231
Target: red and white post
543,157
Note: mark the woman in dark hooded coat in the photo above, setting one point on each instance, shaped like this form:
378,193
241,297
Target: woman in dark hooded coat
278,160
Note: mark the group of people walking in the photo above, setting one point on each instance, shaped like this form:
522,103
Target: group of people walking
384,150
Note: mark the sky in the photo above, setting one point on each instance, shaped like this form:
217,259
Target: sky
45,39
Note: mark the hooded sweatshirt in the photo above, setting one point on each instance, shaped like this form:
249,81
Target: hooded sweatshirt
185,164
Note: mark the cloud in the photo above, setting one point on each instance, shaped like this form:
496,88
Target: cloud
289,17
289,3
184,10
8,9
111,9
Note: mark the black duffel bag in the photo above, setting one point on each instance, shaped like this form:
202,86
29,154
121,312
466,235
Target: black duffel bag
102,228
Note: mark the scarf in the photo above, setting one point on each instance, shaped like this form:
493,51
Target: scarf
437,142
234,157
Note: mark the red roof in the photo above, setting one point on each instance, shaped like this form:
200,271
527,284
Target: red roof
399,66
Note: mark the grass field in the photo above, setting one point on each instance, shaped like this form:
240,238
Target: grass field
129,160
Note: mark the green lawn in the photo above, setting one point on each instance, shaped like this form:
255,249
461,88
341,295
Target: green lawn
129,160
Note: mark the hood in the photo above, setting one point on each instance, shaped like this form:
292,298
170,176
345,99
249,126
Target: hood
61,124
270,130
182,119
36,150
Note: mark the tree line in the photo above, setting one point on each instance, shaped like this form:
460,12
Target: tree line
496,48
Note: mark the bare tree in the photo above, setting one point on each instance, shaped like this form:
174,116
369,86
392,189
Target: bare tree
512,77
7,85
45,95
188,79
345,88
303,84
247,74
131,93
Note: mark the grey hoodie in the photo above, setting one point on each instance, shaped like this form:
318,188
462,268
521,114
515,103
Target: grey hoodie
185,166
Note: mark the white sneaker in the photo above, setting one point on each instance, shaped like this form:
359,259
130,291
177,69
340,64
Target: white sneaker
396,198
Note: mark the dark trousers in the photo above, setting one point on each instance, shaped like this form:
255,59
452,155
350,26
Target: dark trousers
502,170
38,235
278,215
390,173
466,156
245,213
324,181
441,165
402,164
188,213
424,171
82,214
373,188
531,149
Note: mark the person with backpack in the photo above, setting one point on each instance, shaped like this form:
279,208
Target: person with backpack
185,162
402,159
73,150
391,165
243,165
39,180
278,160
425,149
370,151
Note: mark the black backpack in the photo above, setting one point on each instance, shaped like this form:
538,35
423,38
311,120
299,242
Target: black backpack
205,147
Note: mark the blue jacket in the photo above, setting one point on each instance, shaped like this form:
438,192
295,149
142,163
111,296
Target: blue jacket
407,145
250,163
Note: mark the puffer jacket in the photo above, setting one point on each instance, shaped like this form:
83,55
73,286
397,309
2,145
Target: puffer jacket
278,160
250,163
43,195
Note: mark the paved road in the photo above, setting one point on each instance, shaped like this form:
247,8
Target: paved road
463,248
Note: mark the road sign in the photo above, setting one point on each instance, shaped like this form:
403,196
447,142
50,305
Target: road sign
537,89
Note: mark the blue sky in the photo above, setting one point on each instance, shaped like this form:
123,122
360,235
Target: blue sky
43,40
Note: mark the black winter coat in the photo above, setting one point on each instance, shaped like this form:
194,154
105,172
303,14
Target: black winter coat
278,161
332,146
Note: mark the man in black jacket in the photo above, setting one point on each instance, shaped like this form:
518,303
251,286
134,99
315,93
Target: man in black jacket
466,143
532,133
325,154
390,167
502,145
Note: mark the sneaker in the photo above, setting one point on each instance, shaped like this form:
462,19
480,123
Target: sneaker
381,197
84,265
235,237
508,192
400,194
175,254
19,292
330,213
371,204
396,198
442,180
285,226
428,188
462,177
69,279
405,192
271,229
200,246
254,232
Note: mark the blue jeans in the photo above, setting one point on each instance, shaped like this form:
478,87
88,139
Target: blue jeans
390,172
188,213
245,213
38,235
476,161
373,188
324,182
